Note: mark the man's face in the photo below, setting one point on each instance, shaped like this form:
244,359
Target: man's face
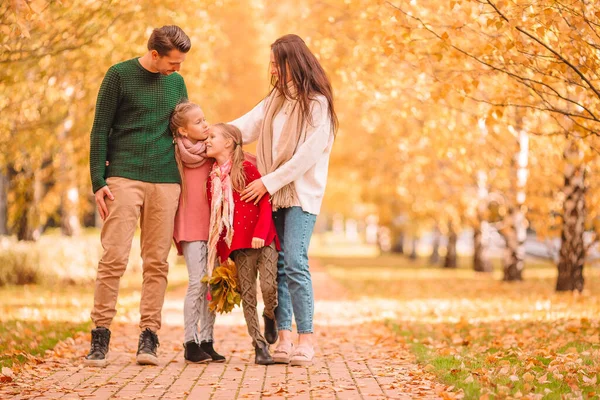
169,63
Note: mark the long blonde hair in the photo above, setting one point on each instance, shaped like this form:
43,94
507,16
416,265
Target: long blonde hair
237,174
179,120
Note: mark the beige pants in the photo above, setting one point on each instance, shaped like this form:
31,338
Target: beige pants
155,204
249,263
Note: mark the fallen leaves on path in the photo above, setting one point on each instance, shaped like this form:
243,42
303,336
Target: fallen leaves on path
359,359
487,336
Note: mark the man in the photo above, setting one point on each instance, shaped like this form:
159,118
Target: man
135,176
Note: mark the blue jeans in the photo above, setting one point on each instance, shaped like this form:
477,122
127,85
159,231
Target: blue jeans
295,292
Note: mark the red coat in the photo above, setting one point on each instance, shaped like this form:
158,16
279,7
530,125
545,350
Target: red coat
249,220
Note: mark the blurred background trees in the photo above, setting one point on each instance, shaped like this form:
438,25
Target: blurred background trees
456,117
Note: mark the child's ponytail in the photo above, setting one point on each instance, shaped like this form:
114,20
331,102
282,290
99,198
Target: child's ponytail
179,163
238,177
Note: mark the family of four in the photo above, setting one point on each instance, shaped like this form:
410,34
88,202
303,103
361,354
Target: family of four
155,159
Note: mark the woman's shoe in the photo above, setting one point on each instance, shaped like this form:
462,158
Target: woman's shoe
282,353
208,348
194,354
262,356
303,356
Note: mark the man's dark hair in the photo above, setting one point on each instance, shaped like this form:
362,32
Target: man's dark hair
168,38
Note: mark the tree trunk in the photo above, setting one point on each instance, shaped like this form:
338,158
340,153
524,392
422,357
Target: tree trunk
481,261
435,247
69,223
413,251
516,231
514,256
572,249
481,233
398,242
69,198
3,204
450,260
23,231
28,228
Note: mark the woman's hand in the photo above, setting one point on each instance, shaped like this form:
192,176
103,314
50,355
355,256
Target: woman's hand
254,192
257,243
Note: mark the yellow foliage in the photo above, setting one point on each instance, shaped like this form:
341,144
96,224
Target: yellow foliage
224,288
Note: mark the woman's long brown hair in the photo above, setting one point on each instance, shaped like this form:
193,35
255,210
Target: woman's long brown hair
238,176
293,55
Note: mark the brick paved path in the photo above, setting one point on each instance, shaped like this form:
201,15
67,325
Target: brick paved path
357,358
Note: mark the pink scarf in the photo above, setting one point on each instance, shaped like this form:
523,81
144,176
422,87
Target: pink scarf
192,154
221,210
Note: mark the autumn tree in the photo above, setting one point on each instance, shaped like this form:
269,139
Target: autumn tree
54,57
549,49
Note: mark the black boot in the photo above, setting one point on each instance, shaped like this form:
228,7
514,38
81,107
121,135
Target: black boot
194,354
207,346
147,345
99,348
262,356
270,330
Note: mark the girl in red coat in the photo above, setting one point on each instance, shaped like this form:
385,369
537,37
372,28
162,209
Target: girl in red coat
243,231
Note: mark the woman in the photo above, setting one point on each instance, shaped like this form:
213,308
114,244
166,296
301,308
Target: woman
295,127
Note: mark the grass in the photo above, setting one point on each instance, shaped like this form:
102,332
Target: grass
58,260
508,357
23,339
486,337
34,317
449,369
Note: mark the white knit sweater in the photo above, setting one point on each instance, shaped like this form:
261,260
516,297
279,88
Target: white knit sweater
308,166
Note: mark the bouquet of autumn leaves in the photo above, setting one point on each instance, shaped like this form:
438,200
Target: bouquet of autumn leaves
224,288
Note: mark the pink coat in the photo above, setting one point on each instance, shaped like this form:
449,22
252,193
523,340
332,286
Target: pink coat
192,218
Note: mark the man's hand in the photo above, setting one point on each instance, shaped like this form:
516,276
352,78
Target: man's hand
254,191
103,192
257,243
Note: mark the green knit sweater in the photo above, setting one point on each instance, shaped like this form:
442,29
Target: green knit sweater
131,125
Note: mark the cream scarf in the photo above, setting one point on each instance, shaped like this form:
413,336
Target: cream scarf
221,211
293,134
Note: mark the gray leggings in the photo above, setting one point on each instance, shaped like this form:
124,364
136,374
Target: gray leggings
195,306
